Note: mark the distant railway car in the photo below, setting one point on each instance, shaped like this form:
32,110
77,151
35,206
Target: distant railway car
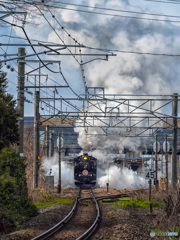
85,171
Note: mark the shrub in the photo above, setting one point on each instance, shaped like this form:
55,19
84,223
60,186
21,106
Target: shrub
15,205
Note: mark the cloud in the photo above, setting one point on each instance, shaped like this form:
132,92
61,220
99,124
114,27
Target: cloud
70,16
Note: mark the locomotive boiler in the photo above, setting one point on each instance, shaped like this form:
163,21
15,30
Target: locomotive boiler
85,171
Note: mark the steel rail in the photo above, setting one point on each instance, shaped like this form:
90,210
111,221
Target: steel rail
59,225
93,227
122,195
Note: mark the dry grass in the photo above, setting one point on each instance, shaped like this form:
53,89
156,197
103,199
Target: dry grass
42,195
166,217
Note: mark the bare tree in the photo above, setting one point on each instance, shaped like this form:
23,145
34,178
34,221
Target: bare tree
29,9
24,5
29,155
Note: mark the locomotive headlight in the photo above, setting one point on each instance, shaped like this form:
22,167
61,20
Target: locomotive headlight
85,158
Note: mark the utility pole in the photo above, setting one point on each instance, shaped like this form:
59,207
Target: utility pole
47,141
20,102
59,149
52,144
166,157
36,140
174,141
156,166
162,164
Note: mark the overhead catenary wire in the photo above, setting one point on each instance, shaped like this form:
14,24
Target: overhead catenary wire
9,37
56,5
109,50
56,32
35,50
80,63
121,16
31,67
76,42
37,54
136,52
28,39
73,107
120,10
159,1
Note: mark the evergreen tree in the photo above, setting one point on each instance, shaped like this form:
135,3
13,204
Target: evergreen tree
3,82
15,206
8,115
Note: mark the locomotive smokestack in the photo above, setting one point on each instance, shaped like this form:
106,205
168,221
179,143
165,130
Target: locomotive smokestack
85,152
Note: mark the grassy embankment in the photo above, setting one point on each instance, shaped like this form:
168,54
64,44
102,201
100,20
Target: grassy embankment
44,199
138,202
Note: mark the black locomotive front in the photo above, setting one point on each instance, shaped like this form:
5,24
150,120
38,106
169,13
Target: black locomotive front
85,171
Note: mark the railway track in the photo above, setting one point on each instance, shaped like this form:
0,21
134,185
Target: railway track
81,221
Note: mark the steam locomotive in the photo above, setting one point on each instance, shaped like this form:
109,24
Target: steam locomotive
85,171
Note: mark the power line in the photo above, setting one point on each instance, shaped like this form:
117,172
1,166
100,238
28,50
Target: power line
170,2
76,42
121,16
104,50
46,66
37,54
135,52
62,42
115,10
120,10
69,105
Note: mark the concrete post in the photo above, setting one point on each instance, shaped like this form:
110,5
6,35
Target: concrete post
52,144
166,157
36,140
47,141
156,166
59,150
174,141
20,99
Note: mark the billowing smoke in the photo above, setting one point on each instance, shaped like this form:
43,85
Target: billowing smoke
116,177
121,179
127,73
67,171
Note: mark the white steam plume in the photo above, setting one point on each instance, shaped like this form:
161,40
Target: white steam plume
67,171
126,73
121,179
